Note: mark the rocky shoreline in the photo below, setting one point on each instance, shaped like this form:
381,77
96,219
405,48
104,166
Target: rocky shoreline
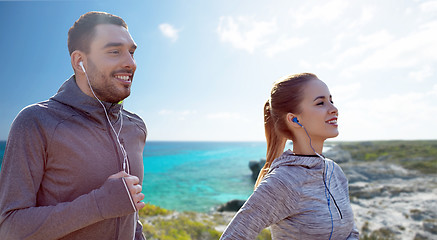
389,202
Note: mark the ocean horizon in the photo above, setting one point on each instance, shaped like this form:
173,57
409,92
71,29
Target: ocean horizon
196,175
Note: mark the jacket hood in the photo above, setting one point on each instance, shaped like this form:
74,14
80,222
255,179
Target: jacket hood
70,94
288,158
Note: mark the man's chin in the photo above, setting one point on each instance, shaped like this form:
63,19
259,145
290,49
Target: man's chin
123,94
118,99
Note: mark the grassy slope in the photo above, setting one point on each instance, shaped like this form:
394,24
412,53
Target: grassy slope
163,224
414,155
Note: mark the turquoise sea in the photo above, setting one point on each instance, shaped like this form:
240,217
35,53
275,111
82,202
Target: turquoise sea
196,176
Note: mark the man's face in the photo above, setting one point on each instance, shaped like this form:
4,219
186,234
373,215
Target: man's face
110,62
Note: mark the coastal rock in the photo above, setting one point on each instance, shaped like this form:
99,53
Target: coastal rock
376,171
430,227
389,201
255,167
393,204
338,155
231,206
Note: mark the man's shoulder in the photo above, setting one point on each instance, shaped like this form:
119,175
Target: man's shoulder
31,116
134,118
43,112
35,110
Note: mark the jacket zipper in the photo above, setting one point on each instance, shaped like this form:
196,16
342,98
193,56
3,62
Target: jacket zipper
114,142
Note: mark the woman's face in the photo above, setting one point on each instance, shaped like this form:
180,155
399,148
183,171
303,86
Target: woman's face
318,113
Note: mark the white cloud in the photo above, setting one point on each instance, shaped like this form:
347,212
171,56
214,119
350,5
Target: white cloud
434,90
283,45
179,115
367,15
417,48
251,35
169,31
245,33
165,112
430,6
304,64
224,116
423,73
345,91
189,115
182,112
365,43
324,13
408,11
397,116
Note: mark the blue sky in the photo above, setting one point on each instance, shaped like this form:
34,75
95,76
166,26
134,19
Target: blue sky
205,68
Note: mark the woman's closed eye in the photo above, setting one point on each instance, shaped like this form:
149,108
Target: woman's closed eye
323,103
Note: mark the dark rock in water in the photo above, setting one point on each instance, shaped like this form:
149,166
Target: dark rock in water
255,167
231,206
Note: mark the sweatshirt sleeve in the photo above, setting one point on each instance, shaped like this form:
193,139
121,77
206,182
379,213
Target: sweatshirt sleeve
20,179
270,203
354,235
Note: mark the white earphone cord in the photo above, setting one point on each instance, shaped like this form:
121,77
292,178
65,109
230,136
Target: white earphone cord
123,151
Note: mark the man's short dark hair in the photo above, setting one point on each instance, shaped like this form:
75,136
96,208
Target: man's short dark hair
83,30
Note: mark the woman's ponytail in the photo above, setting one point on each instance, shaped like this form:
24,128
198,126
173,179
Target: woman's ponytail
275,143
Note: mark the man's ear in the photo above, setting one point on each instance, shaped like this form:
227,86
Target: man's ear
76,58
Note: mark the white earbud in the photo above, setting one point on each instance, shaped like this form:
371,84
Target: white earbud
81,64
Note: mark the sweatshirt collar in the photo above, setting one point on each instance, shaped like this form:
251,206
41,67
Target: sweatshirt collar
70,94
288,158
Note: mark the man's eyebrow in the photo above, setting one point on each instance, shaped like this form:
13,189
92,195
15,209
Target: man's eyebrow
117,44
322,97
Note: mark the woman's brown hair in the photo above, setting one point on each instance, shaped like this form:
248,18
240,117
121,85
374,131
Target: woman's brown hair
285,97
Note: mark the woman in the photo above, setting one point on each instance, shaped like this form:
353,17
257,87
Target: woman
299,193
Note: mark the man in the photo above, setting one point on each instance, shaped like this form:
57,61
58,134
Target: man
73,164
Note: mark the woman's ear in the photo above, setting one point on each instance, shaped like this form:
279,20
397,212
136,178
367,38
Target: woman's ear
292,120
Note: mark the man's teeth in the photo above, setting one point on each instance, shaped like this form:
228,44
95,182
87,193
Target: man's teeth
124,78
332,121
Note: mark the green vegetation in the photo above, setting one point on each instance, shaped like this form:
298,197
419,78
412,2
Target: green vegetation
181,227
264,235
163,224
414,155
152,210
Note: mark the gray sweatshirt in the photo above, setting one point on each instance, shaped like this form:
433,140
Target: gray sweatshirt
53,180
293,200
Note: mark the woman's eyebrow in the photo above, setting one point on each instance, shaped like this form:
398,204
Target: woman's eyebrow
322,97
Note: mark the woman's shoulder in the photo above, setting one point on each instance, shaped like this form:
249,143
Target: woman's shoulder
287,177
